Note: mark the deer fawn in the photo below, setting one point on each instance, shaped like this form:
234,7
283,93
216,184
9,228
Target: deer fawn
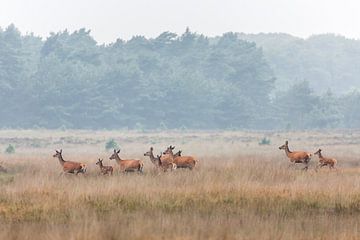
180,161
164,165
296,157
127,165
104,169
323,161
68,166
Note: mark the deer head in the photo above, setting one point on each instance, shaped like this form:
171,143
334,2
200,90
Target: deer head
115,155
57,153
318,152
178,154
169,149
284,146
99,162
149,153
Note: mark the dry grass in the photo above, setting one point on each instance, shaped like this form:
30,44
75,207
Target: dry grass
239,191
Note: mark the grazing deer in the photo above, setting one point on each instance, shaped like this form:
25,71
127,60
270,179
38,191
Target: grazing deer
323,161
164,165
104,169
297,157
127,165
180,161
68,166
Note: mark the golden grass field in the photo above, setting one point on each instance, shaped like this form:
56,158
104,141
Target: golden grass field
240,190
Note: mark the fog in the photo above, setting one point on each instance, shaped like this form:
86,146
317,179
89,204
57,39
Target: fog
179,64
112,19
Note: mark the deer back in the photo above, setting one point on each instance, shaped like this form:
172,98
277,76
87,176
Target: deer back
184,160
68,165
299,155
130,164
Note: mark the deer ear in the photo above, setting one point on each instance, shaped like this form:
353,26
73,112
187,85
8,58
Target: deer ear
56,151
114,150
118,151
60,150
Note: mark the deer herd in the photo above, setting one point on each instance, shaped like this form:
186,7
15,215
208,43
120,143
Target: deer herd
168,161
165,161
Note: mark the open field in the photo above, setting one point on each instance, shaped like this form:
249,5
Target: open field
240,190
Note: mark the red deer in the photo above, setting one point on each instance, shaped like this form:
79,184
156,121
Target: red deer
104,169
297,157
323,161
127,165
68,166
164,165
180,161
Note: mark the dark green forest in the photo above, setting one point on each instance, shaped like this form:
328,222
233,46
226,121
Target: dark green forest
187,81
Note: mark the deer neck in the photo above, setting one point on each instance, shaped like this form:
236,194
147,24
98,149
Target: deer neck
287,151
61,160
152,158
118,159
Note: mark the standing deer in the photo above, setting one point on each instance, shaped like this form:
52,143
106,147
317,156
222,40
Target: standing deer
297,157
68,166
323,161
180,161
127,165
104,169
164,165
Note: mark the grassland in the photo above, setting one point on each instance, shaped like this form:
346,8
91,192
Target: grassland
240,190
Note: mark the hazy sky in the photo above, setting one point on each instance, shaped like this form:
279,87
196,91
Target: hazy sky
111,19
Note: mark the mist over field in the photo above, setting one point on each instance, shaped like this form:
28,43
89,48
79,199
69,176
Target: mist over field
206,119
188,81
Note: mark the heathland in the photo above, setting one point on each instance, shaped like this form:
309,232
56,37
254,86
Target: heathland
239,190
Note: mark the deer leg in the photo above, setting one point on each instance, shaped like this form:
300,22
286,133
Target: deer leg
306,166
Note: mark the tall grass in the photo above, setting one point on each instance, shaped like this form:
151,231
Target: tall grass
240,190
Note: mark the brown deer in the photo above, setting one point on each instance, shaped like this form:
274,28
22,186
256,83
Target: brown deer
164,165
298,156
180,161
323,161
127,165
68,166
104,169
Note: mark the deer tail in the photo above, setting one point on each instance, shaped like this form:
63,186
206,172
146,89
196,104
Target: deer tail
83,167
141,166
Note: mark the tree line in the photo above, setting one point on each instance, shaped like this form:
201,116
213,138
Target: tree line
172,81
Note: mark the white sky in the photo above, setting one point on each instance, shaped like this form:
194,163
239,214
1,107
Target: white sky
111,19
